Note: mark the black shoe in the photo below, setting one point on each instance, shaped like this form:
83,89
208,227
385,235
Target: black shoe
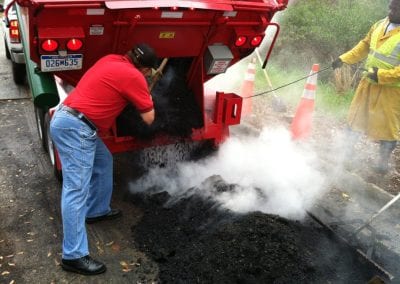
113,214
84,265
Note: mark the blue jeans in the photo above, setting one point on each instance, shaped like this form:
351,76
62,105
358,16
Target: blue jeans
87,169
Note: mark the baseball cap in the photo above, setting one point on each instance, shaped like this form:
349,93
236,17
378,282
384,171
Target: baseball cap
145,55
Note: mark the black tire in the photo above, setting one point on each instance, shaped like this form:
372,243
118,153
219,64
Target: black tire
19,73
8,54
39,115
50,147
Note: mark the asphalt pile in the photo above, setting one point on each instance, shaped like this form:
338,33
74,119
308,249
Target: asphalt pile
177,111
195,240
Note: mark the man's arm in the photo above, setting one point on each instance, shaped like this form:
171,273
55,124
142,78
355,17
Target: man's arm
148,117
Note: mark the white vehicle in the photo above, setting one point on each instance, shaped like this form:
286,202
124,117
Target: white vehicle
12,43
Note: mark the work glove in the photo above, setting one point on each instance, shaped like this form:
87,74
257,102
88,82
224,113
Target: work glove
373,74
337,63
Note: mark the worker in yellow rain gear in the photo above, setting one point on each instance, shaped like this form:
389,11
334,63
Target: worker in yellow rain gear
375,109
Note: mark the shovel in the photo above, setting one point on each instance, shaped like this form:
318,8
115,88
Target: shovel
158,73
390,203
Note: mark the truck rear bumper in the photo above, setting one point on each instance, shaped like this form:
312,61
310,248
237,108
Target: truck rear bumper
18,56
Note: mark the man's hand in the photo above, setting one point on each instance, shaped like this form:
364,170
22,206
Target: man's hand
373,74
337,63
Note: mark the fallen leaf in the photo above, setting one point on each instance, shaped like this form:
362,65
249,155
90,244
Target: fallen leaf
124,263
109,244
10,255
48,254
21,252
11,264
51,218
29,240
126,269
345,195
1,258
5,273
12,282
56,262
115,247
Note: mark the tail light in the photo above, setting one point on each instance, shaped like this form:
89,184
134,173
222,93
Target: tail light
240,41
256,41
74,44
14,31
49,45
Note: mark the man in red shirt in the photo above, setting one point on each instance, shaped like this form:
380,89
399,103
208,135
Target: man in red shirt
100,96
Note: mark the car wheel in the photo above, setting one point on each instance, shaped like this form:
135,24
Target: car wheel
50,147
19,73
8,54
39,115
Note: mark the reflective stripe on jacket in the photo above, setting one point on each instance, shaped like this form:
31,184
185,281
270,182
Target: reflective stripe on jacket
386,55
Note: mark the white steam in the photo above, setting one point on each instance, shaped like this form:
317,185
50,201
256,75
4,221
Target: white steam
269,173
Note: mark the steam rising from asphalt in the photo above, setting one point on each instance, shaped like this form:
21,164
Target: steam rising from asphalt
268,173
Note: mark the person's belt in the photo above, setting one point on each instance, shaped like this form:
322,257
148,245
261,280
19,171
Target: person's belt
79,115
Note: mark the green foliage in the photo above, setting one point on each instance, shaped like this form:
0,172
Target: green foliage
321,30
330,103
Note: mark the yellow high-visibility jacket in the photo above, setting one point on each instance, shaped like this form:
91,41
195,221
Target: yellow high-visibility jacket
375,109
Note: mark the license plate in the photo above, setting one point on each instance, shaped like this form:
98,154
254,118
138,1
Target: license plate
50,63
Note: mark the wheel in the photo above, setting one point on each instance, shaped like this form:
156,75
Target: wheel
19,73
50,148
8,55
39,115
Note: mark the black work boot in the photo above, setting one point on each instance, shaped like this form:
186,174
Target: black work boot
385,151
84,265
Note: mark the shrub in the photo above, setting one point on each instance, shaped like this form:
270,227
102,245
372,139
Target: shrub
320,30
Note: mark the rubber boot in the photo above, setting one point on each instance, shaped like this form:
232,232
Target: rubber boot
385,151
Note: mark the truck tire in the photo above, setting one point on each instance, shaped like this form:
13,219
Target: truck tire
50,147
19,73
8,54
39,115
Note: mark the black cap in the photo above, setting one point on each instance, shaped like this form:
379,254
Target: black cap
145,55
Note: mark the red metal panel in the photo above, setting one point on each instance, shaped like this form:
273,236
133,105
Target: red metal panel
211,4
114,26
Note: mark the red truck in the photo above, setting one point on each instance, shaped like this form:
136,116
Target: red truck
63,38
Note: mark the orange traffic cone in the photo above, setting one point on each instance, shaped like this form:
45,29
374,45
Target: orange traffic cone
302,121
247,89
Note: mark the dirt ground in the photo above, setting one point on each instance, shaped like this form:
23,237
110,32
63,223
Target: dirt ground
192,240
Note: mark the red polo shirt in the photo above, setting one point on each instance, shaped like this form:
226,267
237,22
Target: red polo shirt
107,87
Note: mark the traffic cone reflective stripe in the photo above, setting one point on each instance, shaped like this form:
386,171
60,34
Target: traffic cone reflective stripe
247,89
251,71
302,121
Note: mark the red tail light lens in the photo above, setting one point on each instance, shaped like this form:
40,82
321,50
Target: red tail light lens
74,44
14,31
255,41
240,41
49,45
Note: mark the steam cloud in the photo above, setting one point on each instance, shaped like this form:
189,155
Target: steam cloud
268,173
